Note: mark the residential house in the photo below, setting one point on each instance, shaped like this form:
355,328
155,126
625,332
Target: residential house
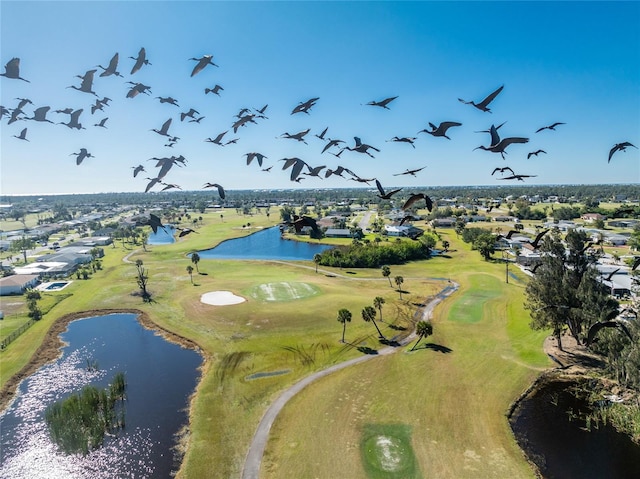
17,283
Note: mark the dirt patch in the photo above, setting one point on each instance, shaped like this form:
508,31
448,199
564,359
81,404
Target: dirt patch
50,349
574,357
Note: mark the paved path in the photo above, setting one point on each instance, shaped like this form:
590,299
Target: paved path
251,469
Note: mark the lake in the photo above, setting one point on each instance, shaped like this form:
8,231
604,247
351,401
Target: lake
265,244
160,376
162,235
561,447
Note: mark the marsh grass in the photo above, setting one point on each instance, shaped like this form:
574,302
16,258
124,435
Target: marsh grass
79,423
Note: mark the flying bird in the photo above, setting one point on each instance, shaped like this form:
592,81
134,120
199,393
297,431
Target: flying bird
304,107
216,185
218,139
141,59
596,327
483,105
165,128
137,169
102,122
410,172
22,135
168,99
550,127
81,155
331,143
517,177
321,135
610,275
297,136
215,90
619,147
417,197
538,238
535,153
441,129
502,170
138,88
74,116
111,68
258,156
502,145
40,114
383,103
155,223
296,165
404,139
202,62
385,195
87,83
185,232
361,147
12,70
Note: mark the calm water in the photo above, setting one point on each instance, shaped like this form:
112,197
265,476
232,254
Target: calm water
161,236
562,449
265,244
160,378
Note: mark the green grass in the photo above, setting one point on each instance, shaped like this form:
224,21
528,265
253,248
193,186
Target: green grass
387,453
470,306
283,291
454,402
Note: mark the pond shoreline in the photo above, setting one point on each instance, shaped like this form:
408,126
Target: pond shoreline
51,347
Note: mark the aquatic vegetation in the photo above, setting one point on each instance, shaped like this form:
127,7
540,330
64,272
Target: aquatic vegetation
79,423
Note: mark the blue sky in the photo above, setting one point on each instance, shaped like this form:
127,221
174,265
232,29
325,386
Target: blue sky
572,62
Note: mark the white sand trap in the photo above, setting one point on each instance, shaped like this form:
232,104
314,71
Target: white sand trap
221,298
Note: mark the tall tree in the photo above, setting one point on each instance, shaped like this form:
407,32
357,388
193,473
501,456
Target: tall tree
399,280
378,301
316,259
23,245
344,317
369,314
142,278
195,259
190,272
423,329
485,243
386,272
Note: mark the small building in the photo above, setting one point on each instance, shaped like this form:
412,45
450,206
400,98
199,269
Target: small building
443,222
592,217
50,269
17,283
338,233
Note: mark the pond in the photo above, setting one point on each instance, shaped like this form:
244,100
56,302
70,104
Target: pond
160,376
560,445
265,244
162,235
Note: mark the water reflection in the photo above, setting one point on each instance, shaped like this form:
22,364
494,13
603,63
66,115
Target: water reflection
265,244
160,378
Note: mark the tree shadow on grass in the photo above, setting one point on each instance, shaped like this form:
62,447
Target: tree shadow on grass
390,342
397,328
203,274
367,350
435,347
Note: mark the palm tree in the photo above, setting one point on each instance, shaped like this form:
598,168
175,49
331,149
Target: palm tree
195,258
316,259
378,301
423,329
445,245
344,317
190,271
386,272
369,314
399,280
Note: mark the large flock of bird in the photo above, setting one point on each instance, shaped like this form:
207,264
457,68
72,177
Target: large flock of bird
297,168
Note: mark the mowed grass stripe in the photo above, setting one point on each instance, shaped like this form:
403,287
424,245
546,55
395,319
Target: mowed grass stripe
283,291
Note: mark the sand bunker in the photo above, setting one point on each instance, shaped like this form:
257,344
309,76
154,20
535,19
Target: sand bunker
221,298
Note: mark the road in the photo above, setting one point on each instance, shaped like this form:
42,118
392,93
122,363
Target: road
251,469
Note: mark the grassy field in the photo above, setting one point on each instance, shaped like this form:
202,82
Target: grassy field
445,404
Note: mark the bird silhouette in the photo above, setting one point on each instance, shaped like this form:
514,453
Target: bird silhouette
218,139
87,83
304,107
137,169
550,127
12,70
385,195
102,122
609,276
155,223
40,114
404,139
314,171
185,232
517,177
111,69
197,120
297,136
141,60
15,116
441,129
635,264
221,192
410,172
81,155
202,62
300,222
596,327
296,165
151,184
502,170
502,145
168,99
383,103
619,147
215,90
170,186
331,143
22,135
361,147
535,153
414,198
321,135
258,156
138,88
23,102
74,116
483,105
165,128
536,242
242,121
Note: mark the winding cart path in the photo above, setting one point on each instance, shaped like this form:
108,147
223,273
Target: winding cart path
251,469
